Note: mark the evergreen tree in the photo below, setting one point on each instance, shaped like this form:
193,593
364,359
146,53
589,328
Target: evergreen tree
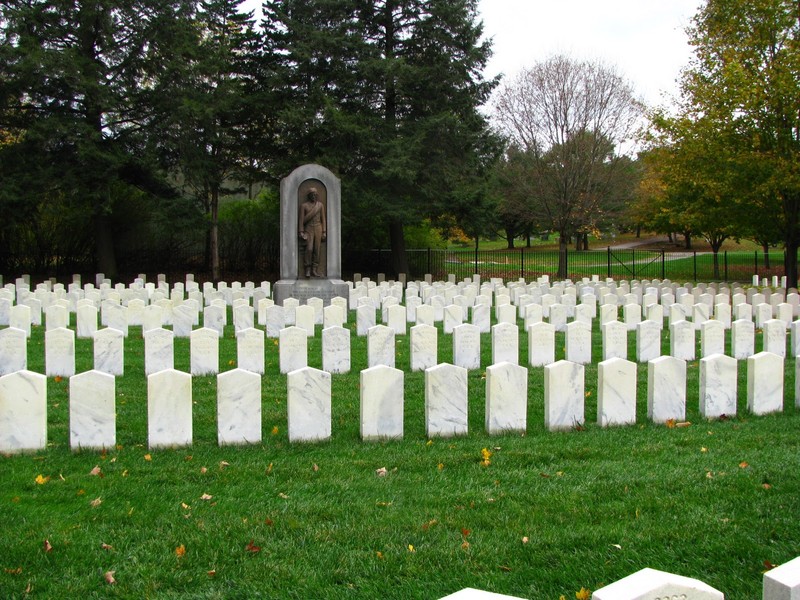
75,85
386,93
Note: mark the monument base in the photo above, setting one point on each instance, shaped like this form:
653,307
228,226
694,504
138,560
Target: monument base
303,289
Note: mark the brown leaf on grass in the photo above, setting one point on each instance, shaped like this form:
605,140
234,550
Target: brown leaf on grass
768,565
206,497
96,472
465,545
268,522
379,554
252,548
148,457
105,546
96,502
211,573
429,524
17,571
381,472
465,532
269,469
47,546
525,539
315,467
766,486
743,465
670,423
504,568
683,424
284,496
180,551
108,576
203,470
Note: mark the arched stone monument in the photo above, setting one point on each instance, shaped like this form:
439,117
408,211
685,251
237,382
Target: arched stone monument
293,282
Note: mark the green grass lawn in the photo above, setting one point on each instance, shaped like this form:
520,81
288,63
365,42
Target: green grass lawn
552,513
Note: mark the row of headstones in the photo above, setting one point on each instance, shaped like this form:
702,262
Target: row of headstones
780,583
23,400
466,340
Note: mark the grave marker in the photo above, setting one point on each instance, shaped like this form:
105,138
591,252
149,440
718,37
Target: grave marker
92,411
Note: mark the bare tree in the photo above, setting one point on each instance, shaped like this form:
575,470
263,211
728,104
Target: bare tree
570,117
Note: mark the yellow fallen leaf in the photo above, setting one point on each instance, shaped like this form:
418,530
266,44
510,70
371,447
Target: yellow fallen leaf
703,449
105,546
411,548
203,470
743,465
180,551
440,466
525,539
284,496
583,594
379,554
465,545
41,479
96,502
206,497
275,430
223,464
147,457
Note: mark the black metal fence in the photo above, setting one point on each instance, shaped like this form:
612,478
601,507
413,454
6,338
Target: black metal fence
530,263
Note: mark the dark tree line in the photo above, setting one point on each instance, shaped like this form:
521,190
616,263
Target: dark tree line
154,108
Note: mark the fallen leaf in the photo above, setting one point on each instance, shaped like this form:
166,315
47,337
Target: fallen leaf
465,545
766,486
411,548
211,573
381,472
429,524
58,379
583,594
504,568
105,546
148,457
269,469
231,362
125,473
545,475
203,470
275,430
315,468
223,464
709,475
96,502
41,479
703,449
670,423
743,465
268,521
525,539
17,571
617,546
465,532
251,547
188,457
96,472
180,551
206,497
379,554
767,565
440,466
429,443
282,495
683,424
48,547
109,577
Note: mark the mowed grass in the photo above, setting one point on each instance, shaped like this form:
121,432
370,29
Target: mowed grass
552,513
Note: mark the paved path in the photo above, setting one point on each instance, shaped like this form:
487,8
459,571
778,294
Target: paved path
641,242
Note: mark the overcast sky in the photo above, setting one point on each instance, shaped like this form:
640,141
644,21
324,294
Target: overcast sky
644,40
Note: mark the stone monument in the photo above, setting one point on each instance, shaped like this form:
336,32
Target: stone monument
324,279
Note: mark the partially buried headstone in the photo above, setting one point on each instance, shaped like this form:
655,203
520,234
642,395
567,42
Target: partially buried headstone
651,584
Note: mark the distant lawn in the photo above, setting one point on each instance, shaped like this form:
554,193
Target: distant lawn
552,513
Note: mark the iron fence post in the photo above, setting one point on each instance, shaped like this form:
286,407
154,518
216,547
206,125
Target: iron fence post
725,256
694,260
608,253
663,265
522,262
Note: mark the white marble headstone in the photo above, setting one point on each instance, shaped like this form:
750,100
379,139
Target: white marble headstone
292,349
505,343
563,395
59,352
92,412
615,340
506,398
764,383
782,582
239,405
467,346
308,405
23,412
365,318
13,350
204,351
666,389
578,347
169,409
109,355
424,350
616,392
159,351
718,385
712,338
381,391
682,340
541,344
250,350
336,349
381,346
445,401
650,584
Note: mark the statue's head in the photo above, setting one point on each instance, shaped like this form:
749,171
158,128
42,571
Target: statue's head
311,194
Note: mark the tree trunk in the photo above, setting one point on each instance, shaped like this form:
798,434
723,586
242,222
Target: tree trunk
213,237
716,264
790,263
638,231
765,247
687,240
397,240
105,256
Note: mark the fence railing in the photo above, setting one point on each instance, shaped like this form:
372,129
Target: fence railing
531,263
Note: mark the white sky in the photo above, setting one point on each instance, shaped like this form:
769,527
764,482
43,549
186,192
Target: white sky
644,40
